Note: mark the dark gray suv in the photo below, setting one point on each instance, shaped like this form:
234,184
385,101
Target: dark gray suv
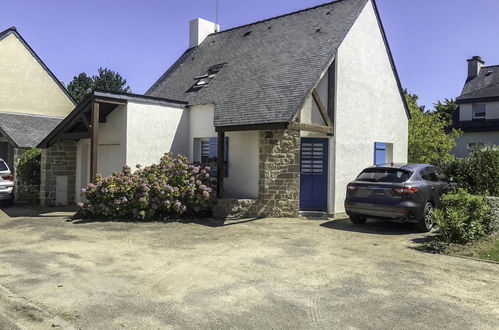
403,192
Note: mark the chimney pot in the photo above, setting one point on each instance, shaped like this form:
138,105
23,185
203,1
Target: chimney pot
475,64
199,29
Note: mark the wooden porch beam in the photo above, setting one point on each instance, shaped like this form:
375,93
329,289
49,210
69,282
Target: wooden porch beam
85,121
322,108
311,128
76,135
220,164
94,141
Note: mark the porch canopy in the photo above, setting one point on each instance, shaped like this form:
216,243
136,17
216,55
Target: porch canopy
83,121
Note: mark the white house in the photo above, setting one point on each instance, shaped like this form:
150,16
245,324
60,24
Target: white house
478,112
293,107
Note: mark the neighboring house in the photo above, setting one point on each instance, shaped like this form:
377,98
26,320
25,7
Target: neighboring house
478,112
32,100
293,108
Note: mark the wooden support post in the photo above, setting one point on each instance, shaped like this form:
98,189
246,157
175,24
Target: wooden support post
94,140
220,164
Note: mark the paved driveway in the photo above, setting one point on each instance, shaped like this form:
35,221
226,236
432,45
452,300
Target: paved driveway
270,273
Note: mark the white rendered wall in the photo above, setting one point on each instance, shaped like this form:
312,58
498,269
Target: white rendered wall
111,149
243,178
200,127
491,112
152,131
369,105
310,113
486,138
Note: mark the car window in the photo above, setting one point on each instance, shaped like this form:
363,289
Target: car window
429,174
440,175
384,175
3,166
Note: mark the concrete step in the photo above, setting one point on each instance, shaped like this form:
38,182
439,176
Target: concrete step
314,215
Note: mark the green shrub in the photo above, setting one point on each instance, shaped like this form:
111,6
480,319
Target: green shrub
28,168
171,188
462,217
478,173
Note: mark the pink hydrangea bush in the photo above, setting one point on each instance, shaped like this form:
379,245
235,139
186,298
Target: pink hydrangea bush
169,189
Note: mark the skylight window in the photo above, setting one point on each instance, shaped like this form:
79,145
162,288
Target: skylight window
207,78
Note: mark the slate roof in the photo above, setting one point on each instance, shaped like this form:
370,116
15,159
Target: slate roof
483,86
269,72
27,130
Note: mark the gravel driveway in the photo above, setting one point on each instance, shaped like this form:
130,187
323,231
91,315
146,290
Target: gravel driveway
268,273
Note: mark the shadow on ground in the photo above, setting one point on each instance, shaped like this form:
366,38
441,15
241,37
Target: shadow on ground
19,211
209,222
372,226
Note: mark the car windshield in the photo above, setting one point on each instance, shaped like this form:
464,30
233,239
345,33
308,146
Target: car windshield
3,166
384,175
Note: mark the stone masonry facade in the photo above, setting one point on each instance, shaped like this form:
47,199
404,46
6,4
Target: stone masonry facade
279,184
58,160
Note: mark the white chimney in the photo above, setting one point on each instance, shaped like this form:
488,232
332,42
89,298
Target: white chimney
475,64
199,29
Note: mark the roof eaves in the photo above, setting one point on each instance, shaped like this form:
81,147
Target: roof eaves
392,62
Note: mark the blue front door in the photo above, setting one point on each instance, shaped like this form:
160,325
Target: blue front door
313,174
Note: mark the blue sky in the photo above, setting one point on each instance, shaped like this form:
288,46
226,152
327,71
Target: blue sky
430,39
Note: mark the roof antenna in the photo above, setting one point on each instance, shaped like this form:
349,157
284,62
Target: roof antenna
216,16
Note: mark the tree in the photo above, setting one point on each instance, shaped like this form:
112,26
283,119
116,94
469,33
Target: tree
447,108
429,142
111,81
105,80
80,86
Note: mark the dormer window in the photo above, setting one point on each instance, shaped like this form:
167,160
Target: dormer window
479,110
207,78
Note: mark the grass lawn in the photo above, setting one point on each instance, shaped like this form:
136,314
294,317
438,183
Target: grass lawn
487,248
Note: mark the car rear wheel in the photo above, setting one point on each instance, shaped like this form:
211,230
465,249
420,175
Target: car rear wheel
357,219
426,222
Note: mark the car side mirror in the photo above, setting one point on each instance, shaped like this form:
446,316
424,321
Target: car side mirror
451,179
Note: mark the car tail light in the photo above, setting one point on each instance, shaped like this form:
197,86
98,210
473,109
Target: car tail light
406,190
352,187
8,177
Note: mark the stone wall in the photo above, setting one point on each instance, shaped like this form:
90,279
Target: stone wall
279,186
58,160
493,202
279,183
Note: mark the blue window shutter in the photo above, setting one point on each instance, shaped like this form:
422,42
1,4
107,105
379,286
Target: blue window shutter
214,154
379,153
213,147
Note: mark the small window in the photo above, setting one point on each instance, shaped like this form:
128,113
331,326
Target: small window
207,78
479,110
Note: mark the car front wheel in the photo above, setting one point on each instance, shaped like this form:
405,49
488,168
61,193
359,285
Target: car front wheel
426,222
357,219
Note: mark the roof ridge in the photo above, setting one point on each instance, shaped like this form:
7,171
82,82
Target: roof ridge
479,89
490,66
30,115
279,16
